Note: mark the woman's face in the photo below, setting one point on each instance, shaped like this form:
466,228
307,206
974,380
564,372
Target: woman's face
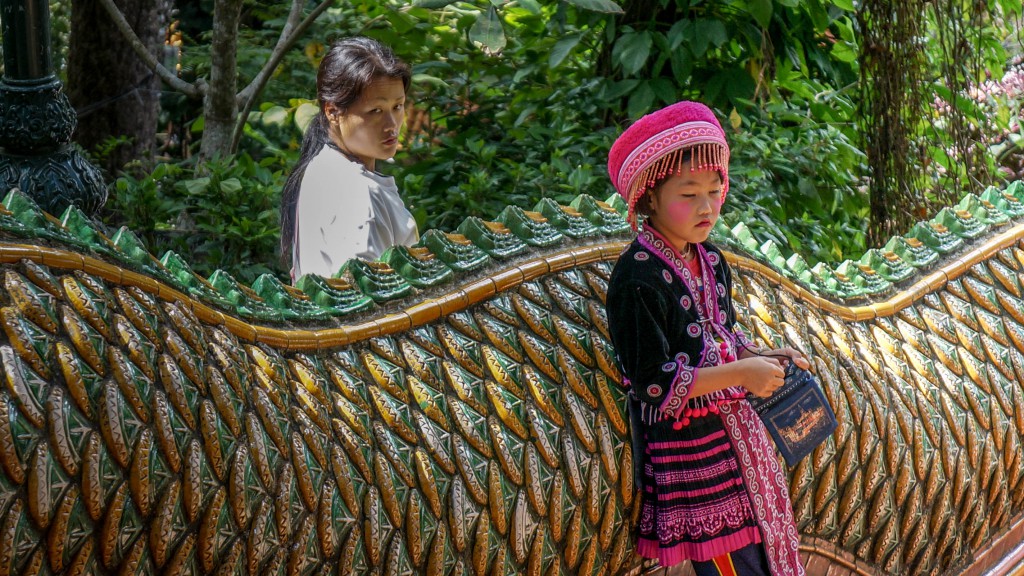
685,207
369,128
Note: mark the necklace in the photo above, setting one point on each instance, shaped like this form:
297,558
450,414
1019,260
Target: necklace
693,265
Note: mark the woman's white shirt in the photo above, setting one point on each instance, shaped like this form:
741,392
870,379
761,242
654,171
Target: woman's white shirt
346,211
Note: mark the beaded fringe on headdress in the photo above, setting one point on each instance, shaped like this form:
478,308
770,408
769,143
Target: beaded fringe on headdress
706,156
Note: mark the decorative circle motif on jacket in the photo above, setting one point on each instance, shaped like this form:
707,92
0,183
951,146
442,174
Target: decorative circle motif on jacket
667,276
654,390
668,367
641,256
693,330
721,290
683,358
685,302
721,317
713,258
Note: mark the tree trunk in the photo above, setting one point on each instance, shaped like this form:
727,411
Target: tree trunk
115,94
220,106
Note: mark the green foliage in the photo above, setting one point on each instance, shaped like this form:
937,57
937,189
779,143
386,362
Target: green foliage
224,215
476,168
725,54
517,101
796,182
506,117
923,123
514,129
275,131
60,35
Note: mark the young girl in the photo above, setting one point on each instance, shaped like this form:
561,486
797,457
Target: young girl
712,490
335,206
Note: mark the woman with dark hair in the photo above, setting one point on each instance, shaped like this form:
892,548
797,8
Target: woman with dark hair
335,206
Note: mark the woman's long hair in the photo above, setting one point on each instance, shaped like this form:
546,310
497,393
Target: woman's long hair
349,66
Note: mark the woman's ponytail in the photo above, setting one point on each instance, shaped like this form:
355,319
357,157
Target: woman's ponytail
314,141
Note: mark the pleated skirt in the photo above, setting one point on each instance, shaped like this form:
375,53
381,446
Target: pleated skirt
694,505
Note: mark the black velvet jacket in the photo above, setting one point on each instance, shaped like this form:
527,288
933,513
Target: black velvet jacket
657,329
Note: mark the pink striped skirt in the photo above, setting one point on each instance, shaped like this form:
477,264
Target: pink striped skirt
694,504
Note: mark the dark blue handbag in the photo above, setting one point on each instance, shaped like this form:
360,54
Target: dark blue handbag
797,415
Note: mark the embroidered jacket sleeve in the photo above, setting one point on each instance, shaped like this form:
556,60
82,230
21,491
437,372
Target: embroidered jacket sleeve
660,376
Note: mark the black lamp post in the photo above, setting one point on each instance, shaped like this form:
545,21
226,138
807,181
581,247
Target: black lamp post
37,120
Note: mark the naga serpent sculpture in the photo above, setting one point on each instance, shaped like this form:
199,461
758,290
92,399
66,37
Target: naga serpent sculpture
455,408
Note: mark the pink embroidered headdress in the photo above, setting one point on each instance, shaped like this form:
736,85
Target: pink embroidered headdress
654,146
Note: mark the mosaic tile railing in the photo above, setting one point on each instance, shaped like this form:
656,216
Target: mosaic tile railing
455,409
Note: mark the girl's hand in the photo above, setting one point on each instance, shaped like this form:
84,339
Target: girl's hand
762,375
791,355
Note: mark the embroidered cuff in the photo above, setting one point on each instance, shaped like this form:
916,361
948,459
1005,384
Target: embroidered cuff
679,392
742,340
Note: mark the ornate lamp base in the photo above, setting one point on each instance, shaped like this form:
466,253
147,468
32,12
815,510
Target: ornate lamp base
55,180
36,123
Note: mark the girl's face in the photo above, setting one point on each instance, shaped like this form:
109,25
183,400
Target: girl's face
369,128
685,207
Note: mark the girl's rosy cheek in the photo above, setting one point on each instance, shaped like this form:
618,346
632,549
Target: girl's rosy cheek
680,212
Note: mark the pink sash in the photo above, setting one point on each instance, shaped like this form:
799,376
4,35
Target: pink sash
766,486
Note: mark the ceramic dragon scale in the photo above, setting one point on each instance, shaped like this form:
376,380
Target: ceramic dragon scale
455,407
